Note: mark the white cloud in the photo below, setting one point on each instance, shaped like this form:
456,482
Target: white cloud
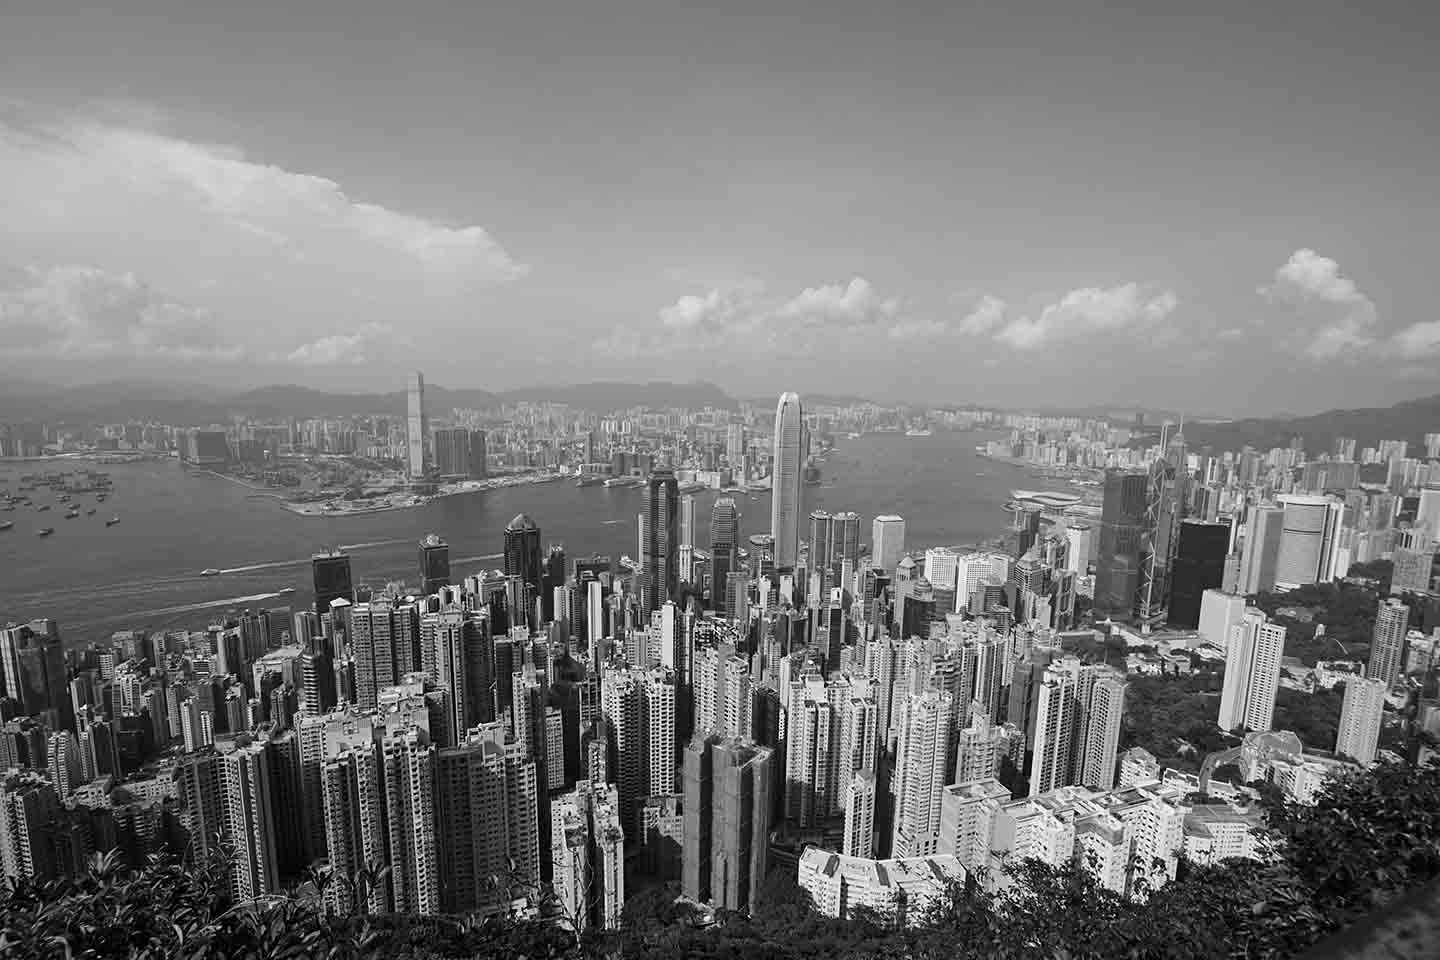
749,320
1086,311
80,312
985,315
341,349
1417,341
279,256
1342,318
855,304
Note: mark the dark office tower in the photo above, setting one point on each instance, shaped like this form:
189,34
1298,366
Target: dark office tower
452,452
1024,530
1199,566
330,572
820,544
724,546
434,565
845,539
33,663
919,610
523,560
554,576
1122,535
661,544
727,785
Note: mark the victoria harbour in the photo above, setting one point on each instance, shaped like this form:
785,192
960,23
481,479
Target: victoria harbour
146,571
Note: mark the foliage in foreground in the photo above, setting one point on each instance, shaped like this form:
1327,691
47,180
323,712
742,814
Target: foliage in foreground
1369,839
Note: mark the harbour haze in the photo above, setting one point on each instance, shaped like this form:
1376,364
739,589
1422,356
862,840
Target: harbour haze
145,572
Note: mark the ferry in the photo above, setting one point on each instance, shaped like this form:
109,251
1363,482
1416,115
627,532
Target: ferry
852,436
72,513
623,482
918,432
210,572
112,521
6,524
42,508
90,512
44,531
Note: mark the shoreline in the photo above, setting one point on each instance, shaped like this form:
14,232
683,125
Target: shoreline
326,508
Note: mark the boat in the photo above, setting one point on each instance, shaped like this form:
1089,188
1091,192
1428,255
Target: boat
72,513
42,508
90,512
44,531
852,436
210,572
112,521
6,524
917,432
284,591
623,482
100,498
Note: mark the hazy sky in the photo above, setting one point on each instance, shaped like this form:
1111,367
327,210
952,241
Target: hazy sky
1220,208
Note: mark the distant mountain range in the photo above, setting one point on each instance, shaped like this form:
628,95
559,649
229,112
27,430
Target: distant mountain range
188,403
1410,421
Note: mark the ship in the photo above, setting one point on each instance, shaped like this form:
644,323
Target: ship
90,512
623,482
42,508
6,524
72,513
590,480
852,436
210,572
44,531
918,432
112,521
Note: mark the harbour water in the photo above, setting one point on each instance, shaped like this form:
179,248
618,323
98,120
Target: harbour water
145,571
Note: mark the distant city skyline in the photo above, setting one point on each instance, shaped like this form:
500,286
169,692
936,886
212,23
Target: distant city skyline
1074,205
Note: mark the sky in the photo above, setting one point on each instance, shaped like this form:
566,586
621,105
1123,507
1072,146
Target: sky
1208,207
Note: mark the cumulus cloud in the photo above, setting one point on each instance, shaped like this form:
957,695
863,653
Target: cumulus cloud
340,349
1342,319
984,315
1086,311
752,320
1417,341
81,312
277,253
855,304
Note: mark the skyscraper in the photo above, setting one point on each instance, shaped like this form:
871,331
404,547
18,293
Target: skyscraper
32,668
687,520
434,564
1101,695
587,850
1387,650
1252,673
417,429
330,574
727,820
1359,730
922,753
1199,566
1309,540
1261,549
785,481
249,820
1122,538
660,554
524,560
887,542
724,546
1055,728
820,544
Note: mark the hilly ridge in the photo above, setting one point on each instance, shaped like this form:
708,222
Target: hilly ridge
198,404
1409,420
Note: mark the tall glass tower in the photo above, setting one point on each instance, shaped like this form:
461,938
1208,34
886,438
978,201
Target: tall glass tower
660,540
785,481
417,428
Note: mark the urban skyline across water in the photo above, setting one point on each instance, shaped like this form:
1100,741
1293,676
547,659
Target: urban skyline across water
174,525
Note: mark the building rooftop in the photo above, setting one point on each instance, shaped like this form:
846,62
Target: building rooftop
522,521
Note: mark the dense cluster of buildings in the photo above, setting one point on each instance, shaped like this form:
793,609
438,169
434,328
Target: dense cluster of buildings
562,729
